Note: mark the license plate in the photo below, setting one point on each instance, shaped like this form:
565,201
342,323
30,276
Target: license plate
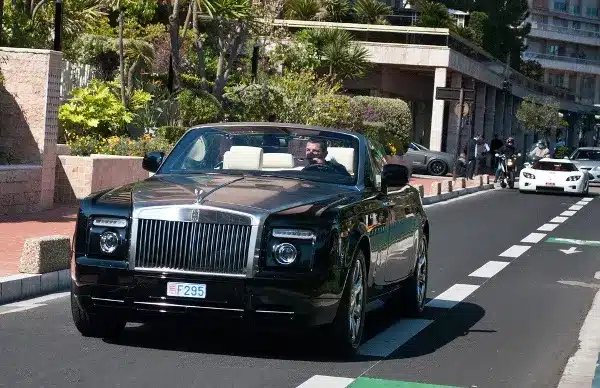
186,290
549,183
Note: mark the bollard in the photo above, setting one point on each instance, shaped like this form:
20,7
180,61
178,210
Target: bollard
436,188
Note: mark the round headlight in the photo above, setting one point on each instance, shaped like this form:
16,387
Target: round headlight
285,254
109,241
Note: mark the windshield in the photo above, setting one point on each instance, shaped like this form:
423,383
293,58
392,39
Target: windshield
586,154
295,153
553,166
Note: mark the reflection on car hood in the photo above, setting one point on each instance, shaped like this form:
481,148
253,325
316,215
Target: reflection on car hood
586,163
266,193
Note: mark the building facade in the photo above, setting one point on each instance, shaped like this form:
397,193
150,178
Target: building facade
565,40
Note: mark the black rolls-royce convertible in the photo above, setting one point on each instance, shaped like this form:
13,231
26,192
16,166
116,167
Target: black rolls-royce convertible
292,223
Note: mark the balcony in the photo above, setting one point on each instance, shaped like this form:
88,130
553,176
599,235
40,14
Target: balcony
564,34
569,12
561,62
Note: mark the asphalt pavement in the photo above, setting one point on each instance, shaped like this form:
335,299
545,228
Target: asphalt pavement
508,298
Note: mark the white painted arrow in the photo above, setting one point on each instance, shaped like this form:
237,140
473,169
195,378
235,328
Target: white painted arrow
570,250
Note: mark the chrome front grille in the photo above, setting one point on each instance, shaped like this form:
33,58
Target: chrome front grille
178,246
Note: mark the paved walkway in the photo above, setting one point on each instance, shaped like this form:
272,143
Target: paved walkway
61,221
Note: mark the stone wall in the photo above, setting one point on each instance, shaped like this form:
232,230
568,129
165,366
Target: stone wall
80,176
29,102
20,188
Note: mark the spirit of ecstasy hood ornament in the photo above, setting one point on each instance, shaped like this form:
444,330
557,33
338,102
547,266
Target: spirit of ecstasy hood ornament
199,195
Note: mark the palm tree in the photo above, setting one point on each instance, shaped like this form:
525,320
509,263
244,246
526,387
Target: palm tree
371,11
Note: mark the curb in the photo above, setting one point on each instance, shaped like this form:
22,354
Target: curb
18,287
455,194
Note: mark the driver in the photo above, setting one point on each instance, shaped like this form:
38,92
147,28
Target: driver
316,152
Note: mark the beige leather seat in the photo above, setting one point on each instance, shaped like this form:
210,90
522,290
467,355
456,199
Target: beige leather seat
243,158
342,155
277,161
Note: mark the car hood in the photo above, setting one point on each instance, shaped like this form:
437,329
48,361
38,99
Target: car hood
438,154
265,194
587,164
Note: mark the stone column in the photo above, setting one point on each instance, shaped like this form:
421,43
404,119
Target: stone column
499,113
437,111
597,91
490,112
453,119
508,115
480,109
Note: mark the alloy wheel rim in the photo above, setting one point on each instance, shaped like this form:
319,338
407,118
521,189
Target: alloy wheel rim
437,167
421,273
356,302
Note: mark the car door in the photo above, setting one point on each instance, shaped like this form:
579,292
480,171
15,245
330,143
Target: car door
415,157
376,217
403,230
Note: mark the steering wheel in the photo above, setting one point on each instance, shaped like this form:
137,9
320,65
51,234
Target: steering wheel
320,167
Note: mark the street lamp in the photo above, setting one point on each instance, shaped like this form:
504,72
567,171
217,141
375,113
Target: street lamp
58,13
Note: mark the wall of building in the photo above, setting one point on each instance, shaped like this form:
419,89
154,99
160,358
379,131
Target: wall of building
20,188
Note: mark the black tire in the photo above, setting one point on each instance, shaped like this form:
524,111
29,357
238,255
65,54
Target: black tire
414,291
95,325
511,179
437,168
340,334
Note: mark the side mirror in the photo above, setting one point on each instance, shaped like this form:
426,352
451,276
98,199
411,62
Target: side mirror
394,175
152,161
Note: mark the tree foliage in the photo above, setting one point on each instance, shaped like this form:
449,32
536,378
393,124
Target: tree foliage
540,115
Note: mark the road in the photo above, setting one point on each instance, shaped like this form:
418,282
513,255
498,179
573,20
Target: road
507,309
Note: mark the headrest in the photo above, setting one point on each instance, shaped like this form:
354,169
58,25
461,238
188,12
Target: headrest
344,156
278,160
243,158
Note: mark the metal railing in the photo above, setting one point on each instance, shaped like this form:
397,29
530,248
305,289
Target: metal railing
562,58
565,30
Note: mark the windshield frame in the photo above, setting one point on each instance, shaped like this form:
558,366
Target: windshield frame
580,150
533,166
270,127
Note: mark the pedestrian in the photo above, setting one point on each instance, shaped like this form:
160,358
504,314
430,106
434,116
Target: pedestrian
481,151
495,145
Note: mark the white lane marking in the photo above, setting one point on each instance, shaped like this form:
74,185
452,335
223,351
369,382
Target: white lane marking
559,220
581,367
568,213
547,227
29,304
386,342
582,203
534,238
576,207
515,251
580,284
597,275
16,310
319,381
452,296
587,199
489,269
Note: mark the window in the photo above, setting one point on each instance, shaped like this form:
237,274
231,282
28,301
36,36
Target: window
592,11
554,166
553,49
576,25
560,6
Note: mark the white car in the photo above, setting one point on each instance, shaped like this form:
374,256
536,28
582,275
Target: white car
554,176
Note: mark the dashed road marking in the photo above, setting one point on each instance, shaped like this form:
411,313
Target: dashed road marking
587,199
452,296
534,238
29,304
597,275
582,203
559,219
547,227
576,207
386,342
319,381
568,213
489,269
515,251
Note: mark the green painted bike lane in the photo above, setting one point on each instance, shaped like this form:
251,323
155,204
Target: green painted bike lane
367,382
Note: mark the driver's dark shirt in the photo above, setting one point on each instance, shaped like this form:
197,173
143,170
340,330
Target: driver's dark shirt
339,168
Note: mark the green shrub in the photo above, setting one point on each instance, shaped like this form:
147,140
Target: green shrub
561,152
118,145
334,111
387,120
171,134
84,145
253,102
199,108
94,111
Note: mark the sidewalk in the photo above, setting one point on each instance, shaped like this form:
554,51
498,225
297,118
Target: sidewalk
61,221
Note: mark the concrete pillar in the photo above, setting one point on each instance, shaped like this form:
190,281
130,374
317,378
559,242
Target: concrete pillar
546,76
566,80
490,112
480,109
499,113
437,111
597,91
453,118
578,84
508,115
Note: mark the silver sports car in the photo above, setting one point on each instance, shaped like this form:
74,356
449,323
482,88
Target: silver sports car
588,159
424,160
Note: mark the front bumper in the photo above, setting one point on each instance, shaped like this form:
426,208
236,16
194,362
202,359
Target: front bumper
565,187
308,301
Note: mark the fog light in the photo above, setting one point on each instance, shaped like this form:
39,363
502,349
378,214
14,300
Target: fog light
109,241
285,254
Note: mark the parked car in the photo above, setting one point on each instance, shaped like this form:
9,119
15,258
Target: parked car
427,161
296,234
587,159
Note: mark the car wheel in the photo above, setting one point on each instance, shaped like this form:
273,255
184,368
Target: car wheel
347,328
437,168
414,292
95,325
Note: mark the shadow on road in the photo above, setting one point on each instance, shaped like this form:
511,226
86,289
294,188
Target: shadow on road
248,341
